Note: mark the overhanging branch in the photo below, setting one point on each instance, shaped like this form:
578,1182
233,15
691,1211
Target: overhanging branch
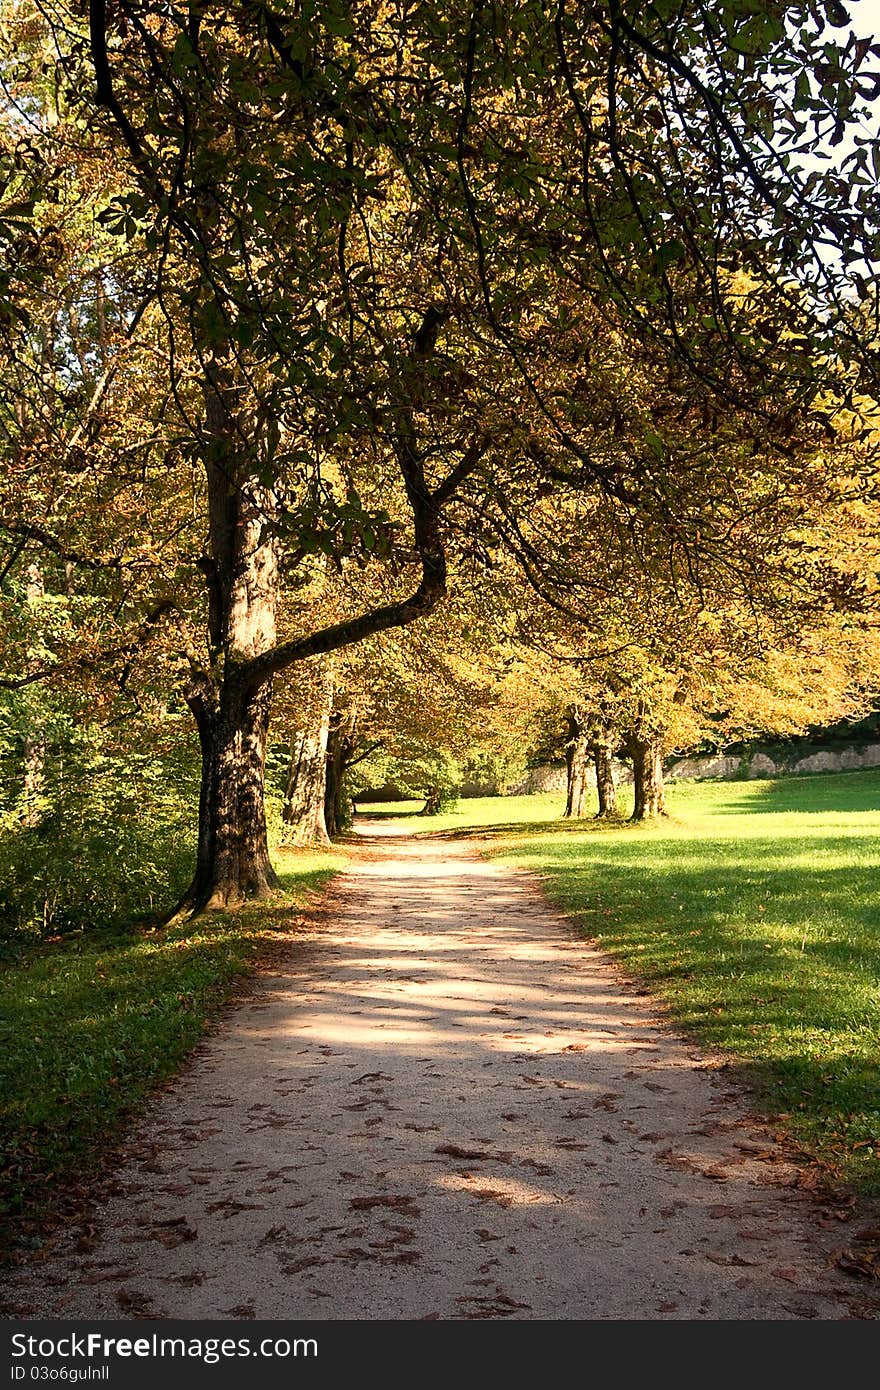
426,508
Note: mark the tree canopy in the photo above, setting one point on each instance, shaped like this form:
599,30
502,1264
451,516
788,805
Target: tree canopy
306,307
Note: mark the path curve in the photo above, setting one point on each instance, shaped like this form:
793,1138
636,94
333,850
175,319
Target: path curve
445,1105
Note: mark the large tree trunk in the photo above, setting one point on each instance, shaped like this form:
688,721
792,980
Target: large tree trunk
433,802
305,794
604,779
230,705
34,751
646,751
34,760
577,763
233,853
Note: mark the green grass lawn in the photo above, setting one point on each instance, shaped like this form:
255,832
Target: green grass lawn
89,1026
754,912
493,811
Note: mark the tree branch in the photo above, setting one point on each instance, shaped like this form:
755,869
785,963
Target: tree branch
430,591
104,93
29,531
371,748
462,470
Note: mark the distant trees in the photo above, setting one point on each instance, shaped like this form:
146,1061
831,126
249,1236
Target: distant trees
763,636
591,741
408,707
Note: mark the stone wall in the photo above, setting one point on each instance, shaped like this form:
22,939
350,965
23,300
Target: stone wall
546,777
729,766
550,777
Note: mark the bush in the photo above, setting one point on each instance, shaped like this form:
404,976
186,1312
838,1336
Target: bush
107,836
416,770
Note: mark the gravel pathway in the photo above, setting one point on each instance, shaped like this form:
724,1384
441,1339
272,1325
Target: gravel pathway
446,1106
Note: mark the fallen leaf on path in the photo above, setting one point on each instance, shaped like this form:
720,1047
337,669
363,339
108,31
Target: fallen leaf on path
405,1205
862,1259
456,1151
230,1207
497,1306
241,1310
542,1169
492,1194
135,1303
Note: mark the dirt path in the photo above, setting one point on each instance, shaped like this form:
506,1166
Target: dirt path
446,1107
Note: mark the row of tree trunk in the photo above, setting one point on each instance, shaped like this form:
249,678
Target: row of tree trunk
592,740
316,808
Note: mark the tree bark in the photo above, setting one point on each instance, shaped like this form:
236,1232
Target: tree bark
306,787
304,796
34,759
230,705
604,780
341,743
646,751
34,751
577,763
232,862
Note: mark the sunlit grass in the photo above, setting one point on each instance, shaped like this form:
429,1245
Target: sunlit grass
90,1025
754,911
467,814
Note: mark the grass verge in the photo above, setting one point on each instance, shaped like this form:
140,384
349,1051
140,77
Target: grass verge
754,912
90,1025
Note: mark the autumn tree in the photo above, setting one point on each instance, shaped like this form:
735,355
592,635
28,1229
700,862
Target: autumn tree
630,641
368,258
